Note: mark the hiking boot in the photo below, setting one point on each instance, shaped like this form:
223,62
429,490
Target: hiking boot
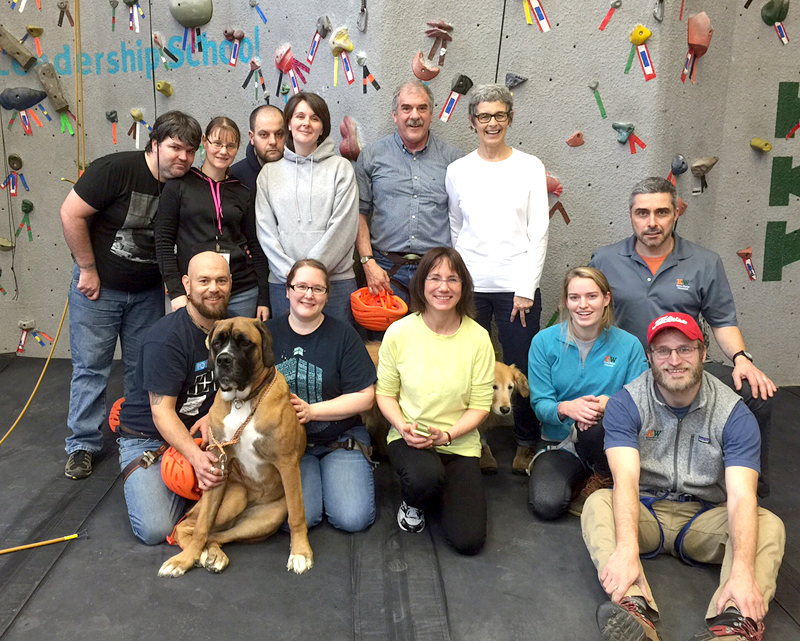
731,626
410,519
626,621
522,460
79,465
488,461
591,485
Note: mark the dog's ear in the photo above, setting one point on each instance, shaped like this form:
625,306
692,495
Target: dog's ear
521,382
267,355
209,340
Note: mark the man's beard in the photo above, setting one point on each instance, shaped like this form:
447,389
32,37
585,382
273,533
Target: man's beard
677,386
219,313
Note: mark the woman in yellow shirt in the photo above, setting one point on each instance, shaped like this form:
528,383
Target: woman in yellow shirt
435,379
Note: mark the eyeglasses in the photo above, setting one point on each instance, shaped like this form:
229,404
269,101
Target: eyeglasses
500,116
216,144
438,280
317,290
684,352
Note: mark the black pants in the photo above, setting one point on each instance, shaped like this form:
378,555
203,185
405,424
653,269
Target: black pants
557,472
429,480
516,342
761,409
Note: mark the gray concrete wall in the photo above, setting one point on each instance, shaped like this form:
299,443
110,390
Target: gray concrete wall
735,98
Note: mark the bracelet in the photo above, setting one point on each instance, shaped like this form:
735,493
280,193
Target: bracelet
449,438
87,266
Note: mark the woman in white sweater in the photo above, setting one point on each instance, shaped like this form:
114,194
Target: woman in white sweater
498,223
307,206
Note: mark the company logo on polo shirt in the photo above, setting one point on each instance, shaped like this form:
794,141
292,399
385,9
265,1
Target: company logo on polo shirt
683,284
610,361
652,435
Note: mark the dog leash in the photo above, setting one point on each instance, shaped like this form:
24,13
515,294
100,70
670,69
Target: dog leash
223,458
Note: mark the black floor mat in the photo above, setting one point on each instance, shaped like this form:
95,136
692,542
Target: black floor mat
533,580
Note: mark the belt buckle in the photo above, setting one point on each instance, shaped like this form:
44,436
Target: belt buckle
350,444
148,458
412,257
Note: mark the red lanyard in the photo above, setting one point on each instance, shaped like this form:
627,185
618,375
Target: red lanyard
216,196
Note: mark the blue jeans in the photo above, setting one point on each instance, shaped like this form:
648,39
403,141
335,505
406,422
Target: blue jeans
516,342
153,509
94,326
244,303
338,305
341,483
402,276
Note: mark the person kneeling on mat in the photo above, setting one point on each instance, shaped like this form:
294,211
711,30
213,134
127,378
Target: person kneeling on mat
173,391
684,453
571,406
435,377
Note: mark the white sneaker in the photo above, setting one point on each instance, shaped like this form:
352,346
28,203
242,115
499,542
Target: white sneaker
410,519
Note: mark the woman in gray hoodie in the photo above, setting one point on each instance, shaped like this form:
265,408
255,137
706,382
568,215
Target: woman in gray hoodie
307,206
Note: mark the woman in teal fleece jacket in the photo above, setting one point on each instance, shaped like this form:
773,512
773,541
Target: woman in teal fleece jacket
573,369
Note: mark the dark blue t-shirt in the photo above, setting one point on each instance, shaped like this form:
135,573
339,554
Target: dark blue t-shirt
328,362
173,361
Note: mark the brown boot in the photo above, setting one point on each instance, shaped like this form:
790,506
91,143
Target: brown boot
488,462
592,484
626,621
522,459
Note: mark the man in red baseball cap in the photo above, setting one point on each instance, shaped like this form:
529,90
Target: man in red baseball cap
684,452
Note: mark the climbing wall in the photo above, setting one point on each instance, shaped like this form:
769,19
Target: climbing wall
745,87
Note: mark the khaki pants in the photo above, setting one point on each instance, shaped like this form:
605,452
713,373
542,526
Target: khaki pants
705,542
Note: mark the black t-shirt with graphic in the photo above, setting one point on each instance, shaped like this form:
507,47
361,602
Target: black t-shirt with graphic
125,194
173,361
325,364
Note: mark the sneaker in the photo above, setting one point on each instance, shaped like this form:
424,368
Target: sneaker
522,460
732,626
410,519
592,484
79,465
626,621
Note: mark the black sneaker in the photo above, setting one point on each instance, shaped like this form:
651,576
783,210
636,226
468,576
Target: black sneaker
626,621
410,519
731,626
79,465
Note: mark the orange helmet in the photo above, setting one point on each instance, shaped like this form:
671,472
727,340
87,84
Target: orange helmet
178,474
113,415
376,311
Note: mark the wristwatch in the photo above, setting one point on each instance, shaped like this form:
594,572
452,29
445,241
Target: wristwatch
747,355
364,259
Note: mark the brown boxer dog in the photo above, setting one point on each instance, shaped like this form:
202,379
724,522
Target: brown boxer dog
260,442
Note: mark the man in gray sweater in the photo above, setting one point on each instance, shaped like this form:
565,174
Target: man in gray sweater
684,453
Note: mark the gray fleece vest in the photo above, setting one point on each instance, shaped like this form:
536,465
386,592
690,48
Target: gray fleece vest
683,455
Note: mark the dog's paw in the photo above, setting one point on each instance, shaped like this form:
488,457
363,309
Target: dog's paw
299,563
175,567
214,559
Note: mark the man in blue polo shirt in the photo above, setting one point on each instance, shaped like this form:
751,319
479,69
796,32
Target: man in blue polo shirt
402,198
172,393
684,453
655,271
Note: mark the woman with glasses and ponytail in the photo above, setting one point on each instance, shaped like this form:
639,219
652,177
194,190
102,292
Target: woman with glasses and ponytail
331,377
498,223
207,210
